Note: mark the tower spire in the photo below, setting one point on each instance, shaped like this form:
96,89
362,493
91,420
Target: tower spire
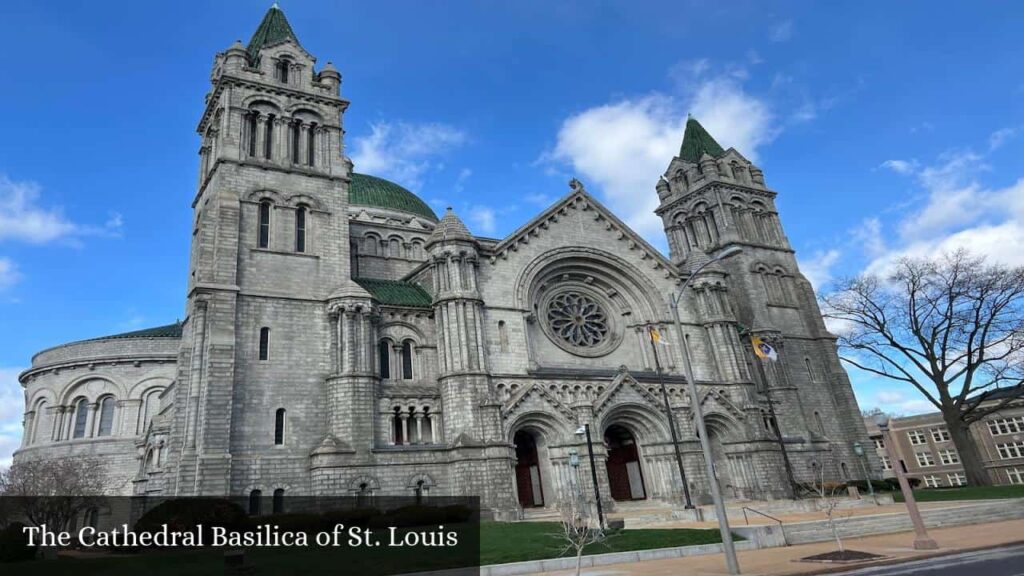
697,142
273,29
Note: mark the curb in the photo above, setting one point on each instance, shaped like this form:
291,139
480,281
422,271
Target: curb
893,561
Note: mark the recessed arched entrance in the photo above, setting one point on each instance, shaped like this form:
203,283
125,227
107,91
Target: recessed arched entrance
625,477
529,485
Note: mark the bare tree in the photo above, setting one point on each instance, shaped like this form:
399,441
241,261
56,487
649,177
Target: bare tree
54,491
951,327
828,495
577,529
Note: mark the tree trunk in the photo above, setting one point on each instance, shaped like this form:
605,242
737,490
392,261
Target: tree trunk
967,448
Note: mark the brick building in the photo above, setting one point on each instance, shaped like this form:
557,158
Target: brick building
928,453
339,337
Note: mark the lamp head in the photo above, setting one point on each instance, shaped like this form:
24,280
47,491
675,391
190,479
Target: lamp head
858,448
728,253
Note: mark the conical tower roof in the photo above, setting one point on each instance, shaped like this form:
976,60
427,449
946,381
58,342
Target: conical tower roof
697,142
449,228
273,29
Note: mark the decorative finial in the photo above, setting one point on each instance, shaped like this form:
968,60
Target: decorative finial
576,186
274,6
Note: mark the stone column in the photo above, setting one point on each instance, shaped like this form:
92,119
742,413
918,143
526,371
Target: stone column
405,427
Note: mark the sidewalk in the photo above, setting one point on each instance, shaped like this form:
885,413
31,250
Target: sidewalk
757,519
782,560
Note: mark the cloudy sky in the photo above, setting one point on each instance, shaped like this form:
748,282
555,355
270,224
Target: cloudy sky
886,128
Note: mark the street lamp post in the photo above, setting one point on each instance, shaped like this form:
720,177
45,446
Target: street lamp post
672,428
921,541
858,449
698,413
585,430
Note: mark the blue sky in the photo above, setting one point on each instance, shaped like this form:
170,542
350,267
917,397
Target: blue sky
886,128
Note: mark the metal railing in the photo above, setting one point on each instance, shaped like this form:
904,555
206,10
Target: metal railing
769,516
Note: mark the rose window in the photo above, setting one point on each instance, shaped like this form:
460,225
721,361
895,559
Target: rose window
578,319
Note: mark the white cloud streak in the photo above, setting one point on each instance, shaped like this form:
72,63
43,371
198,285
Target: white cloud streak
404,152
12,408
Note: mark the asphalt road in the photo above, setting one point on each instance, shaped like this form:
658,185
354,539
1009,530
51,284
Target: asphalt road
1008,561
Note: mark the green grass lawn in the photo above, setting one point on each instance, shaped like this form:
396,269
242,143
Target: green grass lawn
518,542
966,493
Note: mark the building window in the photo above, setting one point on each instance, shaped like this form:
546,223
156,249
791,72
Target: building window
428,426
279,427
1006,426
924,459
300,229
949,457
932,481
844,471
311,145
886,462
81,418
916,438
1015,475
279,501
282,71
253,122
296,132
1010,450
940,434
502,336
264,343
819,423
879,443
255,500
810,370
384,358
106,416
957,479
268,138
263,232
398,427
407,360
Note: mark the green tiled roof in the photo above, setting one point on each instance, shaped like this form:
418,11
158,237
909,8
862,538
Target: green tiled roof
273,29
697,142
396,292
379,193
169,331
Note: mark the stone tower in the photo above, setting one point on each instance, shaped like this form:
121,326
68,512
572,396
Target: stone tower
269,249
711,199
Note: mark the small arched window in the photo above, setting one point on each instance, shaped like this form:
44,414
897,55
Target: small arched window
279,427
263,231
106,416
279,501
384,357
40,423
300,229
311,145
296,132
282,71
253,121
810,370
502,336
268,138
255,501
264,343
819,423
397,428
407,360
81,418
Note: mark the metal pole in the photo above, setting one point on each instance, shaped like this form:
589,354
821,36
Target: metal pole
716,494
593,474
671,426
793,486
922,541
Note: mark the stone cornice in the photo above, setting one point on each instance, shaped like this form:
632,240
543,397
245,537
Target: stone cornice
715,186
90,362
226,80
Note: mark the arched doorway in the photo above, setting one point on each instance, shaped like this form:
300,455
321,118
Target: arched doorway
529,485
625,477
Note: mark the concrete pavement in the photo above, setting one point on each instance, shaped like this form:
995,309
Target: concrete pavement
785,561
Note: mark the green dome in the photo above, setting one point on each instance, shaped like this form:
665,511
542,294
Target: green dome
379,193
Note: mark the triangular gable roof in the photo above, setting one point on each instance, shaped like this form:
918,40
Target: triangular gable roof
578,199
273,29
697,142
621,380
534,389
723,401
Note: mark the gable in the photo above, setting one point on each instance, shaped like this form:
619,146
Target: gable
625,390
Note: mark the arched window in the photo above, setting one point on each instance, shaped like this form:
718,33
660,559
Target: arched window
40,423
279,427
296,132
384,356
819,423
81,418
268,138
279,501
502,336
428,426
311,145
264,343
255,500
810,370
396,425
263,231
282,71
300,229
106,416
407,360
253,121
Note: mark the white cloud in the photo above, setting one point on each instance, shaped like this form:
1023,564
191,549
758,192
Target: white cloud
894,402
403,151
21,218
900,166
460,181
1000,137
621,148
781,32
818,270
9,275
484,220
869,234
543,200
12,409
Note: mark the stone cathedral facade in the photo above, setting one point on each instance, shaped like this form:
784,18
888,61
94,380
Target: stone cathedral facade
341,338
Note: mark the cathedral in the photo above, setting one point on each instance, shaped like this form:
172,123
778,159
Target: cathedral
340,337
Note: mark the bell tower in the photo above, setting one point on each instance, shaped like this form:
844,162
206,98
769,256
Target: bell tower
269,246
